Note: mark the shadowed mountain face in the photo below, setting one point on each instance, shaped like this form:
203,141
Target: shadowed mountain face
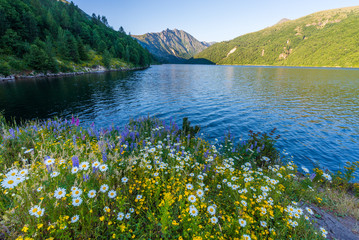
171,46
323,39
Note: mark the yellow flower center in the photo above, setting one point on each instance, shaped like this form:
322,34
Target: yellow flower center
10,182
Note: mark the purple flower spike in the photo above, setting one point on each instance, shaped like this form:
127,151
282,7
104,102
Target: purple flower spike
312,176
75,161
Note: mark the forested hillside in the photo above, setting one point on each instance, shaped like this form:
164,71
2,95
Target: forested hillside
52,36
327,38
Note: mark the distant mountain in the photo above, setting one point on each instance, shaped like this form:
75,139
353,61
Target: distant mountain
171,46
326,38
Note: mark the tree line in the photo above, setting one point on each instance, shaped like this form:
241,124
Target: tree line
48,35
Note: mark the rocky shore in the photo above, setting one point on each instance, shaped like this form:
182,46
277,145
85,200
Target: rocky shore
33,75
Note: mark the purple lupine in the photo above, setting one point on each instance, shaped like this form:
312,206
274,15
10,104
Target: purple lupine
85,177
75,161
104,156
72,120
205,168
74,139
258,149
312,176
12,132
77,122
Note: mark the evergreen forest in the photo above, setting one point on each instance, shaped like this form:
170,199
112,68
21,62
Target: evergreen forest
56,36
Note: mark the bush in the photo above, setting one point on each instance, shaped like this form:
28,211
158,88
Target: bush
4,69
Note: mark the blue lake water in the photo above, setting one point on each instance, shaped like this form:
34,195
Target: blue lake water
315,110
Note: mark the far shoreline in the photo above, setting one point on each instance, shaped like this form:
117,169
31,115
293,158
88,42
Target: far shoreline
16,77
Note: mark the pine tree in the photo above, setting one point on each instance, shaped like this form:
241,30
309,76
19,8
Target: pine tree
82,50
36,59
106,59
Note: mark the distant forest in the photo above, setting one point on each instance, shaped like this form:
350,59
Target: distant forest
50,35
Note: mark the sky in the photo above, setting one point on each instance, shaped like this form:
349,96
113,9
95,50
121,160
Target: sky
206,20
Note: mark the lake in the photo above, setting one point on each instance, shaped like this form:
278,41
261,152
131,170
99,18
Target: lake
316,110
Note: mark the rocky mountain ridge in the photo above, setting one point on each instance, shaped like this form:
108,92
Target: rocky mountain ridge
172,46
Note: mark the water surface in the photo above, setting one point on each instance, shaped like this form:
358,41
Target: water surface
315,110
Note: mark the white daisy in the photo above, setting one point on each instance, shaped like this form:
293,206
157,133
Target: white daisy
92,194
200,193
96,164
120,216
34,210
60,193
128,216
75,218
242,222
76,193
39,189
192,198
193,211
29,150
49,161
9,182
104,188
12,173
124,179
310,211
211,210
246,237
263,223
112,194
84,166
23,172
189,186
39,212
103,168
77,201
131,210
74,170
214,220
138,197
54,174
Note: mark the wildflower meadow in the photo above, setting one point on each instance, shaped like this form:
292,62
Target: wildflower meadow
150,180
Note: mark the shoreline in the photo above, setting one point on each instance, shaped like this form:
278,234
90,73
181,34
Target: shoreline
65,74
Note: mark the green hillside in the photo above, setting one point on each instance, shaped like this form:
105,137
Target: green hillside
52,36
327,38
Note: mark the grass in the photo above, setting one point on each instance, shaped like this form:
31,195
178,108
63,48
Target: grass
150,180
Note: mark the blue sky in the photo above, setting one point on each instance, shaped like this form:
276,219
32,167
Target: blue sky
206,20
